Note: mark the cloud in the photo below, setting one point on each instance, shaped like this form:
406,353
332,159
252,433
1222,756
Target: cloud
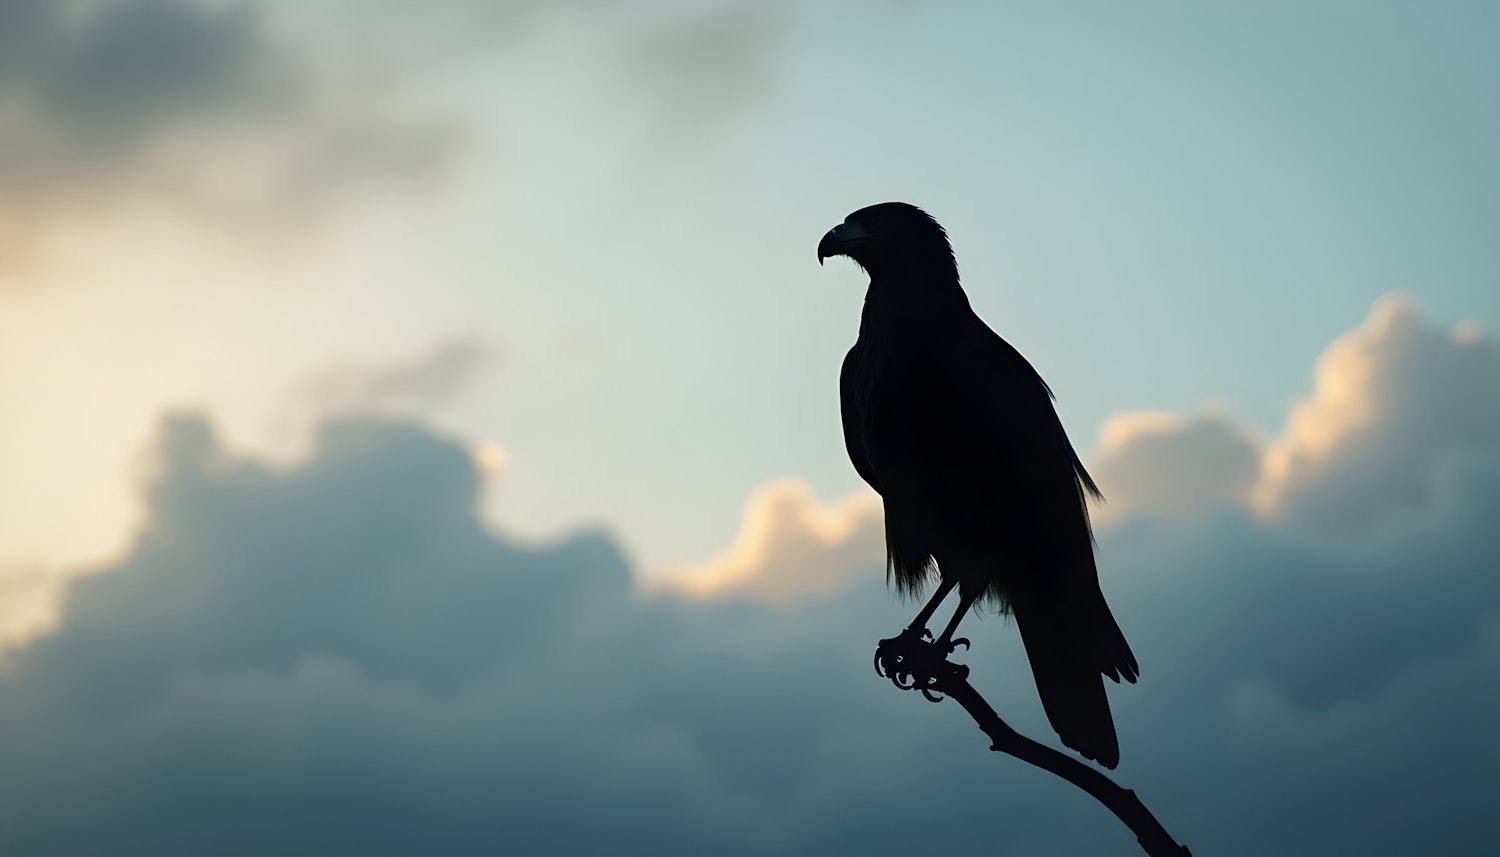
30,598
430,380
792,547
692,67
339,656
205,107
263,118
1168,465
420,386
701,70
1390,397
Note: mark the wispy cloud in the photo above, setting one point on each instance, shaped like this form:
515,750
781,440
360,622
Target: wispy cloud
701,70
427,381
202,107
259,117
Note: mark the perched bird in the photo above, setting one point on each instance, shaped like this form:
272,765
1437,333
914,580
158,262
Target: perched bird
982,490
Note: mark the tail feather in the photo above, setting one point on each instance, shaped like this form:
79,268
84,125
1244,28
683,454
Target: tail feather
1069,657
1110,649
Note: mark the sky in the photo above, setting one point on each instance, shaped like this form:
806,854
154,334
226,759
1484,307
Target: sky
419,430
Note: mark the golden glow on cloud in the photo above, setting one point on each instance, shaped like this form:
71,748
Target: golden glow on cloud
1172,465
491,458
1467,333
791,547
1339,403
31,601
1120,429
1350,394
1393,385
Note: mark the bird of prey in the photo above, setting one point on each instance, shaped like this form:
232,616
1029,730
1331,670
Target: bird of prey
982,490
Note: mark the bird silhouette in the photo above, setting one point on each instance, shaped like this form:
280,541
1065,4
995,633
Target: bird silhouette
982,490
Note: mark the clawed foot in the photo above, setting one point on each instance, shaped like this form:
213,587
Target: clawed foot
913,661
952,645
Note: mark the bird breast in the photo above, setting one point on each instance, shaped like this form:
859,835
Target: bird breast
895,390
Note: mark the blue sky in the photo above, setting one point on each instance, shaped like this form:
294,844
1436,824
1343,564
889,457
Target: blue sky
1163,207
575,242
1161,210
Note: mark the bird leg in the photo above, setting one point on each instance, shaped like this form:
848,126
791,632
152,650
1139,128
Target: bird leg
910,661
945,640
919,624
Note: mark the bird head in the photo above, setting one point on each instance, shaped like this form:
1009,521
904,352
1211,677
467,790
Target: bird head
884,237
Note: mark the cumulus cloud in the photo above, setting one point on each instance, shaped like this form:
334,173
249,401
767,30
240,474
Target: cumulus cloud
30,597
1390,397
339,656
1391,400
1173,466
792,547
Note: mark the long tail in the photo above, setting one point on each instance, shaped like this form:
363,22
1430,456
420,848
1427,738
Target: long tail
1071,648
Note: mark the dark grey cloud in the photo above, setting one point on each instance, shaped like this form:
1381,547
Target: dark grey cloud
113,71
203,105
339,657
263,117
692,66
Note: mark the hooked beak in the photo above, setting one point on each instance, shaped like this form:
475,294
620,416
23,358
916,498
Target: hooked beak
841,239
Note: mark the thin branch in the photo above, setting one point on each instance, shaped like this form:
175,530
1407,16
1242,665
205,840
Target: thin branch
951,680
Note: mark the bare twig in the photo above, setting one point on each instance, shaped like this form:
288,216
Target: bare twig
951,680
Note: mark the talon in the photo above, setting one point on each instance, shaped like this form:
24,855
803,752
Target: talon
913,660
